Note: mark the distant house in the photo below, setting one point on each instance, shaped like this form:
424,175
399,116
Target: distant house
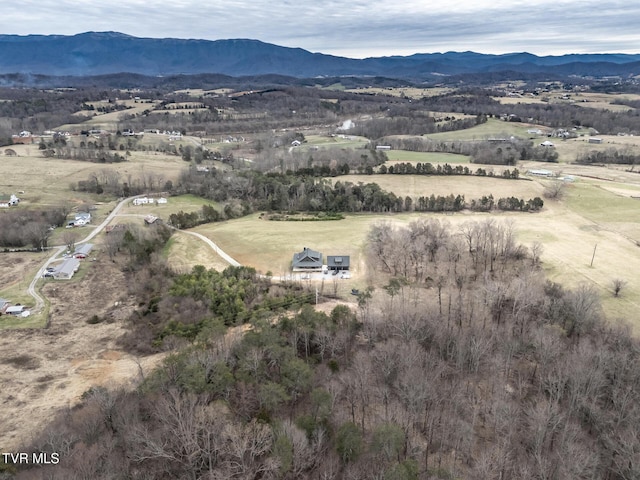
83,251
151,219
296,143
142,201
161,200
383,147
15,310
307,259
595,140
83,218
338,262
546,143
7,201
66,271
540,173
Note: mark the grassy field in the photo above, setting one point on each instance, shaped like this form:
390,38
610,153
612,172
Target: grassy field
47,181
490,129
397,156
184,251
470,186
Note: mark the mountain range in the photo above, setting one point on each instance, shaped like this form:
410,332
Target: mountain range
104,53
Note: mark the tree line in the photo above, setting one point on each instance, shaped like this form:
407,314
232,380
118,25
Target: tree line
500,151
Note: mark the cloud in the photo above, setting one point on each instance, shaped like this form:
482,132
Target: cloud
357,28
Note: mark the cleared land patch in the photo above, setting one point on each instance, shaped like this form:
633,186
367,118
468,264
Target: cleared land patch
471,187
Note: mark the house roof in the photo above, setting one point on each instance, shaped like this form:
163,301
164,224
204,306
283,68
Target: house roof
338,261
84,249
15,309
68,267
307,258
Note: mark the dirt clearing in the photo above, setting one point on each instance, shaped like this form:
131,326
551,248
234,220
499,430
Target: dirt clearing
45,370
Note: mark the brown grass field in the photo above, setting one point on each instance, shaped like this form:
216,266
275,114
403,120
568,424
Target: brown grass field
471,187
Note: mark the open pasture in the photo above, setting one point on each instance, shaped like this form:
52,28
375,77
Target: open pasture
568,240
47,181
470,186
492,128
184,251
399,156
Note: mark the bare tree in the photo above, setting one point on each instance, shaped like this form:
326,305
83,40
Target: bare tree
554,190
617,285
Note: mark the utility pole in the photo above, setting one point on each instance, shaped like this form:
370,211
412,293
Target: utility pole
594,254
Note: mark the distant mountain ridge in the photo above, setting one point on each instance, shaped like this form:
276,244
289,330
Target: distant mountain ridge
103,53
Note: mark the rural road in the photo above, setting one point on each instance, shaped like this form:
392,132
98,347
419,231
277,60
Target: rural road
60,249
39,301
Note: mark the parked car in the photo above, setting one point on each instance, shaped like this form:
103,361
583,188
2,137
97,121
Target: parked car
47,275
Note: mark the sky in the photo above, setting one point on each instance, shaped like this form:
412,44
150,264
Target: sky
355,28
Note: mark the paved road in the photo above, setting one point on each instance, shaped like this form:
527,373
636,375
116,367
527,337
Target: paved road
62,248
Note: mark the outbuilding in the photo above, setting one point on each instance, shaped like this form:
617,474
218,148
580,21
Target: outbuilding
335,262
15,310
83,251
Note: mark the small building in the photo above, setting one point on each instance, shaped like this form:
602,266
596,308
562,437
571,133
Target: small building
307,259
161,201
540,173
142,201
15,310
151,219
83,251
82,218
338,262
383,147
547,144
595,140
296,143
68,268
7,201
4,304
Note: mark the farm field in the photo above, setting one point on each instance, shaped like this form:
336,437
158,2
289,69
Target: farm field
47,181
471,187
491,128
398,156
